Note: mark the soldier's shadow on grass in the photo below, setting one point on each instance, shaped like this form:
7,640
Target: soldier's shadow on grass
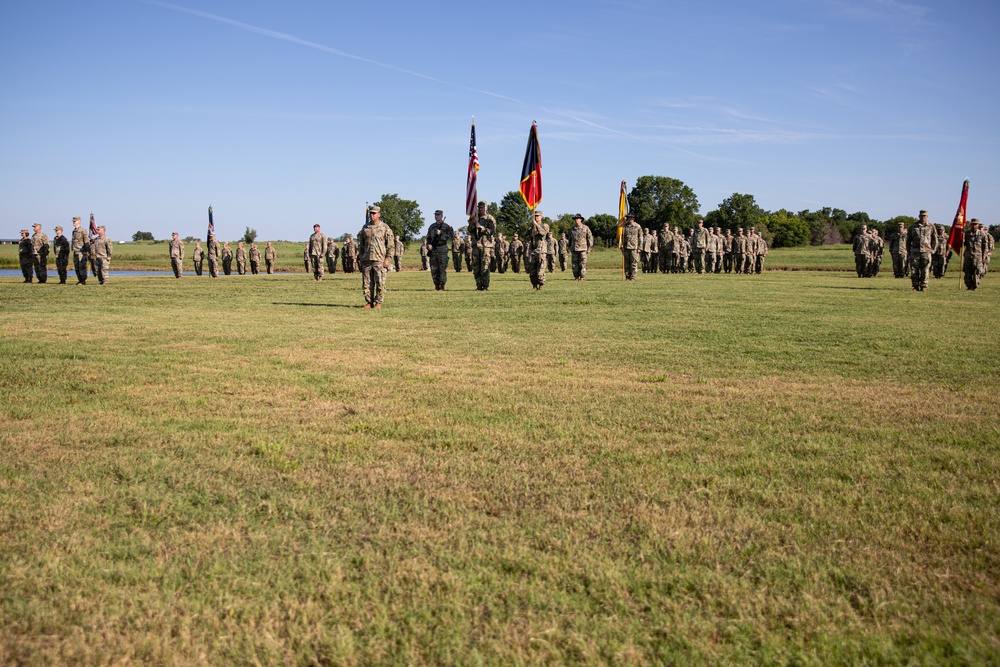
890,288
320,305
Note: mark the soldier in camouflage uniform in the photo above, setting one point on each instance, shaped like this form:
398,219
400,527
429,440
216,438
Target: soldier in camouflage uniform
227,258
550,255
375,246
750,259
424,256
60,246
897,249
761,254
457,250
727,251
270,255
663,244
213,256
720,249
254,259
878,249
81,251
332,252
485,228
317,252
699,245
937,259
563,249
26,256
397,254
176,255
654,251
305,258
102,253
349,255
630,244
921,239
199,257
976,250
40,253
241,259
516,253
739,250
470,243
862,252
537,250
440,237
710,251
580,242
644,250
676,249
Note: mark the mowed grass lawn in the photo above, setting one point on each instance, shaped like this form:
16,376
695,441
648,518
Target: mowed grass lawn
793,468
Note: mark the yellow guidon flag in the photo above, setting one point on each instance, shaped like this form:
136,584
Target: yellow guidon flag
622,211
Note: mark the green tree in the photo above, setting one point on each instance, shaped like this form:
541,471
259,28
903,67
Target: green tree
827,226
402,215
143,236
659,200
561,224
604,226
512,215
788,229
250,235
737,210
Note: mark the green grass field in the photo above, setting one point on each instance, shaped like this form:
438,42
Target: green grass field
793,468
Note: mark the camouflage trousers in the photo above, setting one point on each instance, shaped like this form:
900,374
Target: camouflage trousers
331,264
175,264
973,269
861,265
62,264
316,264
535,264
227,265
550,263
269,266
631,260
80,266
579,264
937,265
103,266
562,261
213,267
439,267
457,259
515,263
348,263
254,267
373,281
748,262
759,264
664,261
899,266
709,262
41,267
738,262
920,265
727,262
241,267
698,257
198,264
481,267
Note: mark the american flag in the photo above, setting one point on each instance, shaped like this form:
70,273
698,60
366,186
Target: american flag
471,194
93,226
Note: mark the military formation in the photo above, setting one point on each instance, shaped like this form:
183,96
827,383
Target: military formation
918,252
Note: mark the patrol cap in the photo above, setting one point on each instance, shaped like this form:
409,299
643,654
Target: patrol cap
974,221
923,213
537,212
630,216
75,218
482,204
578,217
25,231
37,224
58,228
439,212
374,209
101,227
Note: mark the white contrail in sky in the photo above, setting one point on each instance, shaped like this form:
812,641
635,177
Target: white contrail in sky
284,36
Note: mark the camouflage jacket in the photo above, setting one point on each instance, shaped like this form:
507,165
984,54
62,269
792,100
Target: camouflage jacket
440,235
700,239
81,242
486,231
241,254
213,250
897,243
317,244
581,239
921,239
537,243
631,234
375,242
331,249
270,254
176,249
40,244
254,253
102,247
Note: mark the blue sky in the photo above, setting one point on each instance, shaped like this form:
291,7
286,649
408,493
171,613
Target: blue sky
285,114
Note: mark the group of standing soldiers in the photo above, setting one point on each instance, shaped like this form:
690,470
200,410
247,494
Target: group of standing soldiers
220,256
88,252
922,251
702,250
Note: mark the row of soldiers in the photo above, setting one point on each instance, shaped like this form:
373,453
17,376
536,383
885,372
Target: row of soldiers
91,252
923,250
702,250
221,256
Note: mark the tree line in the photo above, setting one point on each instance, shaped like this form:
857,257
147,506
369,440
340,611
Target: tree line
656,201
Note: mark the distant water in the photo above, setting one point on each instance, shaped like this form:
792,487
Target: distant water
10,273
